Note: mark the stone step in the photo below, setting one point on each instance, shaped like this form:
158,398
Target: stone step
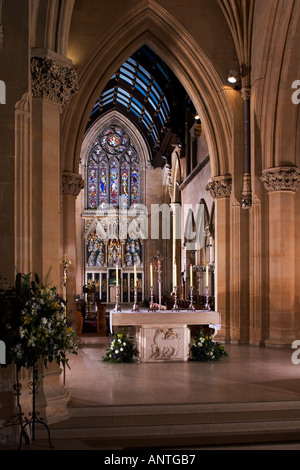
183,423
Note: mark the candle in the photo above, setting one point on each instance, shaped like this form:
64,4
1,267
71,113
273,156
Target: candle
151,275
175,275
134,274
207,275
117,275
191,275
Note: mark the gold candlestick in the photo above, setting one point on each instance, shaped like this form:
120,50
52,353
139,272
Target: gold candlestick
65,264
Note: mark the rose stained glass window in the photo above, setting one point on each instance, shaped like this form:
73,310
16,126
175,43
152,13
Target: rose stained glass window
113,171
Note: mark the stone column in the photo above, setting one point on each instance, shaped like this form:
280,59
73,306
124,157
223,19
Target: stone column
53,81
72,184
220,190
52,86
282,184
247,193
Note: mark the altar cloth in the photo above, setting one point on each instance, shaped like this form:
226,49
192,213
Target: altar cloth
144,318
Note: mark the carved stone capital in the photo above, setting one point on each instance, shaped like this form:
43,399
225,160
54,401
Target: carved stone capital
281,179
246,93
72,184
52,81
220,187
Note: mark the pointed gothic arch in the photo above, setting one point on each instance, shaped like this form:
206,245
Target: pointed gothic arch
151,24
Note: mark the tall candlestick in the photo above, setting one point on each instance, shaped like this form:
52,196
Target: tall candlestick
135,275
117,275
191,275
151,275
175,275
207,275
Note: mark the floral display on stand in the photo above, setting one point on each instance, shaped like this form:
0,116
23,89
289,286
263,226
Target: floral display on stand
121,349
34,323
205,349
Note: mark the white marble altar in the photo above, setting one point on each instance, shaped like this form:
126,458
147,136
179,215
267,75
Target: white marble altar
164,336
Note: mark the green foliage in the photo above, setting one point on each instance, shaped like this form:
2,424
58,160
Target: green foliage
205,349
33,323
121,349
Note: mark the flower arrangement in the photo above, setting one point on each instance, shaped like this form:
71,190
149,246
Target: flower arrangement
205,349
121,349
33,315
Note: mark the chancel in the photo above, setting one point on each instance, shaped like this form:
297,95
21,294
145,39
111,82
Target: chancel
149,176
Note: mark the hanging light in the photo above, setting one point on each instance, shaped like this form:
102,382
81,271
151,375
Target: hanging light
233,77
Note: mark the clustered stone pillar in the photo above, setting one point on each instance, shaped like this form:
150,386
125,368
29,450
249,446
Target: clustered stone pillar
220,190
52,86
282,183
247,192
72,184
53,82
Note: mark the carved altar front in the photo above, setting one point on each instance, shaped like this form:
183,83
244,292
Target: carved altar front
164,336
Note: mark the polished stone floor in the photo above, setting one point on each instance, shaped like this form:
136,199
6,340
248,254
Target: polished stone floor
249,374
250,400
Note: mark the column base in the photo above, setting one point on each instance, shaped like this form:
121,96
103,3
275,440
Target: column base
281,338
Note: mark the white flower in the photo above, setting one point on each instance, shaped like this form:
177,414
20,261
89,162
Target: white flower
116,351
121,349
22,332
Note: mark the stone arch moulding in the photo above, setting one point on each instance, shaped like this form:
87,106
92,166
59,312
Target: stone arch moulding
51,24
150,24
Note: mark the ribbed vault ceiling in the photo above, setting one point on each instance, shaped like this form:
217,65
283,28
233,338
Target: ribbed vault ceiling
145,90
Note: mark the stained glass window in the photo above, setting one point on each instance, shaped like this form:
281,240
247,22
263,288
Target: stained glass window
113,171
114,181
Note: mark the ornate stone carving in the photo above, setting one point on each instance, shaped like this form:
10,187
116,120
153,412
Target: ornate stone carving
165,344
220,187
51,81
72,184
281,179
246,93
247,193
